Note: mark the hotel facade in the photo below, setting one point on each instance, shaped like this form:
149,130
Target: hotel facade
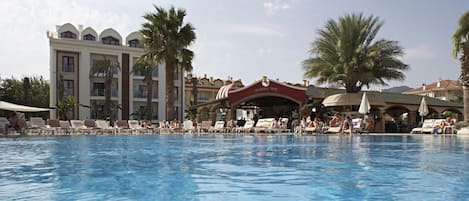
74,50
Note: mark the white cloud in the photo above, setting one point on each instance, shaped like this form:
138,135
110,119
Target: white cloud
419,53
272,7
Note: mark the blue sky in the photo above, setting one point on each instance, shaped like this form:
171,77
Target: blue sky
245,39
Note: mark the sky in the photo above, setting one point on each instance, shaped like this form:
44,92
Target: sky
245,39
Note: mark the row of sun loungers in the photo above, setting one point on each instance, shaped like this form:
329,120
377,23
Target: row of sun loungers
38,126
358,126
429,126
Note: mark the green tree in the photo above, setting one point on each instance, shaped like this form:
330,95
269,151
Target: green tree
105,68
147,65
165,39
347,53
30,91
64,107
461,47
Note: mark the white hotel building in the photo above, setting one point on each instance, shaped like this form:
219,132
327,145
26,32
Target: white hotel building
72,53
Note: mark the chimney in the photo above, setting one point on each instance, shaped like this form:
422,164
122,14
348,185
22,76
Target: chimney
438,84
424,87
304,83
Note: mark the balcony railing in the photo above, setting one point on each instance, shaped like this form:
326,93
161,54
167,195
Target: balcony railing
100,92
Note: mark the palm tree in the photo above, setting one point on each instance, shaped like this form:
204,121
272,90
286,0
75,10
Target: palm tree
346,53
105,68
147,66
165,39
461,46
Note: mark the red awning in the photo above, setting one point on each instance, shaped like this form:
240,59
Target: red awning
223,91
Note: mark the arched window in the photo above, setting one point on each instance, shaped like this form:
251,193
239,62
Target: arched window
135,43
68,34
110,41
89,37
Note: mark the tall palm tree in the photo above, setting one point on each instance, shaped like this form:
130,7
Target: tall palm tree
165,39
105,68
461,47
147,66
346,53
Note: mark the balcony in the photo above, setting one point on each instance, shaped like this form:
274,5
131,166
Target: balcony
100,92
143,94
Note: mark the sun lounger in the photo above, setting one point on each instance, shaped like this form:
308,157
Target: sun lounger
427,127
123,127
135,127
264,125
104,127
38,124
205,127
248,127
78,127
65,127
357,126
188,126
218,127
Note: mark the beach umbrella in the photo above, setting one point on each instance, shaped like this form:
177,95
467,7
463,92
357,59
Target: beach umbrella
364,105
423,108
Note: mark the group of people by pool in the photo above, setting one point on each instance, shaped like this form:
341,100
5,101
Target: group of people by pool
337,121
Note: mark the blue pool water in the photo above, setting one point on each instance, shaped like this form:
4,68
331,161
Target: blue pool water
171,167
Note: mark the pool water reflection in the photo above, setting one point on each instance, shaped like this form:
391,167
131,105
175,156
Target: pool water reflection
176,167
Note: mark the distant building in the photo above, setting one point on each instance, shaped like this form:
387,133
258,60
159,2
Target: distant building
72,54
443,89
206,88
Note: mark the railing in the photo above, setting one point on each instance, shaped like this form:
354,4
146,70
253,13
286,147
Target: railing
100,92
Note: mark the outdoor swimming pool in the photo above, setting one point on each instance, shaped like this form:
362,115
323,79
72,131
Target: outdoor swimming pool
175,167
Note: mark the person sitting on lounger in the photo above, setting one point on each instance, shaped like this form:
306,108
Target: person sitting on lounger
444,124
347,124
336,121
316,125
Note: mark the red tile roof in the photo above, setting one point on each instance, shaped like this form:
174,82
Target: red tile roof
444,85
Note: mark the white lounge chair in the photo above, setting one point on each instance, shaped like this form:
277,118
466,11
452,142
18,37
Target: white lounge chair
248,127
38,124
78,127
264,125
427,126
188,126
218,127
104,127
135,127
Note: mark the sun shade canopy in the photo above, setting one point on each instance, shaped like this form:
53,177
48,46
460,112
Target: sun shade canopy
352,99
20,108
